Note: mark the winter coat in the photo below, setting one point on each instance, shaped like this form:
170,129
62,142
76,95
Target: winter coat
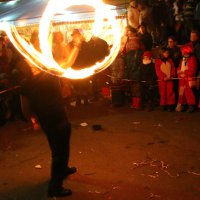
164,73
188,69
148,73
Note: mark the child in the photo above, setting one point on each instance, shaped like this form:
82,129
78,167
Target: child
148,81
165,71
187,82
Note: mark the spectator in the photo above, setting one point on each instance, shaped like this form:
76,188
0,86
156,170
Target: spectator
133,61
146,15
81,86
187,82
175,55
59,49
117,70
165,71
178,20
12,99
124,40
178,8
20,73
147,81
99,49
158,18
4,61
197,15
60,52
174,51
145,37
195,41
188,14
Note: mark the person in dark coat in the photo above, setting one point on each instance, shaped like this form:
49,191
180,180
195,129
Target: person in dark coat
147,81
176,56
99,49
133,61
174,51
146,39
81,86
195,42
187,81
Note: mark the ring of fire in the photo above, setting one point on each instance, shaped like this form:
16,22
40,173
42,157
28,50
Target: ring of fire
44,59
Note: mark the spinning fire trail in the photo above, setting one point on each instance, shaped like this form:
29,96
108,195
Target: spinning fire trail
44,59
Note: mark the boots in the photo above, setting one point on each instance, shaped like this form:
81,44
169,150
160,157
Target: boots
191,109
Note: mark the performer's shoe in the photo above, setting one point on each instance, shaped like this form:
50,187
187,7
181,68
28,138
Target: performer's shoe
70,171
61,192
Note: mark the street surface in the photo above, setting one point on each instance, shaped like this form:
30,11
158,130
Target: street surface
136,155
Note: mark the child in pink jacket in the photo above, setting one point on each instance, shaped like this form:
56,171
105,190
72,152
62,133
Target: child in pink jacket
165,71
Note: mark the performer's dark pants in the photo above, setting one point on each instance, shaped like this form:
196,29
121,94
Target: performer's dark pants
47,104
58,131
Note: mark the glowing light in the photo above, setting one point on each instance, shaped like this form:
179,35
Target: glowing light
44,60
12,2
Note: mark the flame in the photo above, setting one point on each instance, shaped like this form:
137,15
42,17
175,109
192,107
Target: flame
44,59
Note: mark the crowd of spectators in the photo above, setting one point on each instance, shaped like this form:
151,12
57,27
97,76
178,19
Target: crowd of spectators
160,54
9,103
13,105
165,17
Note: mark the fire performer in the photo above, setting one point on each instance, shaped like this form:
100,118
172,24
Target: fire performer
43,91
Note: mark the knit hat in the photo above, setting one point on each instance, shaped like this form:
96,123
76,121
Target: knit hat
147,54
146,58
187,49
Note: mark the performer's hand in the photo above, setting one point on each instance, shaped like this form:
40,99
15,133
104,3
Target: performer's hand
77,40
35,71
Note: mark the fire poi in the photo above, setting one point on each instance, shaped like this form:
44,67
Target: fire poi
44,59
